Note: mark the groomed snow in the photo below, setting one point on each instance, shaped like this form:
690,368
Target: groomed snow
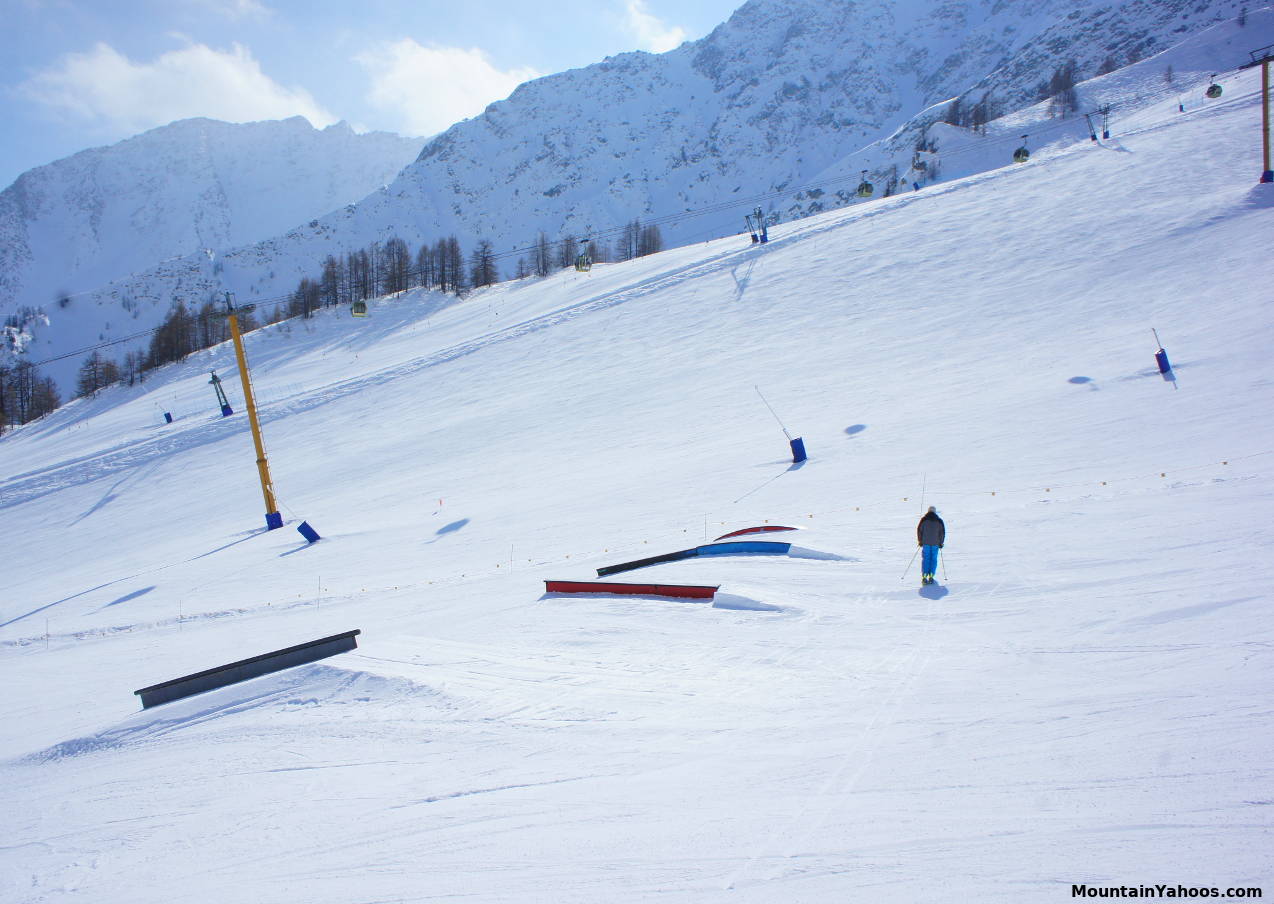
1083,698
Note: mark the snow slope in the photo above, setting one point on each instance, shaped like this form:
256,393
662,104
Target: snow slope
1082,699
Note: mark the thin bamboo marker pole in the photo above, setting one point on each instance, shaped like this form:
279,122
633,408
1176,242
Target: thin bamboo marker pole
776,417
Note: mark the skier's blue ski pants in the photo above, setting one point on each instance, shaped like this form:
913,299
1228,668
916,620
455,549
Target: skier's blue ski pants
929,561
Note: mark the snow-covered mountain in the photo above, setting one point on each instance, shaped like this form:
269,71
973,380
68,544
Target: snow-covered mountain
777,94
782,94
107,212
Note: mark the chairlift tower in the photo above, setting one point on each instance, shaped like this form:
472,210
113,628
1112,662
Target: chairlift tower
756,226
1090,117
1092,130
273,519
1263,57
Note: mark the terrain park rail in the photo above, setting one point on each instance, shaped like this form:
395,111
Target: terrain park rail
769,528
682,591
234,672
745,547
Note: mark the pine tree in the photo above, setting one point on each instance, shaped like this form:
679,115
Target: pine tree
482,264
362,283
628,242
134,367
542,256
89,379
18,392
426,273
567,251
1061,90
26,394
395,266
455,263
649,241
44,398
443,264
175,337
373,252
211,325
331,283
982,113
247,320
305,300
5,372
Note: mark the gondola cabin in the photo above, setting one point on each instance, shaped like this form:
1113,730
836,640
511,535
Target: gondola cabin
1214,91
358,309
1021,155
865,188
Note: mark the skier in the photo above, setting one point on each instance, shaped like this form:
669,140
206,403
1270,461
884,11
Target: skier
931,533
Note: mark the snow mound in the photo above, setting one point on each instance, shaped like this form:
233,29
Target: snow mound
306,686
744,604
803,552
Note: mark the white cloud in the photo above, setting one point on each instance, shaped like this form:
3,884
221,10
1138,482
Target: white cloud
430,88
651,33
105,88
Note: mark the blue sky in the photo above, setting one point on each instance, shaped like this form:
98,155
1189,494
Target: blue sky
82,73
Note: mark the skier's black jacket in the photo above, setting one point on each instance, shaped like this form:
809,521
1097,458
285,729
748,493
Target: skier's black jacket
931,531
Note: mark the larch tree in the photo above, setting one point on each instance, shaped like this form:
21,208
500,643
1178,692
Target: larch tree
482,264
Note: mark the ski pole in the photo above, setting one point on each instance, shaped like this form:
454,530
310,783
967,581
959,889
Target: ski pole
943,560
909,564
